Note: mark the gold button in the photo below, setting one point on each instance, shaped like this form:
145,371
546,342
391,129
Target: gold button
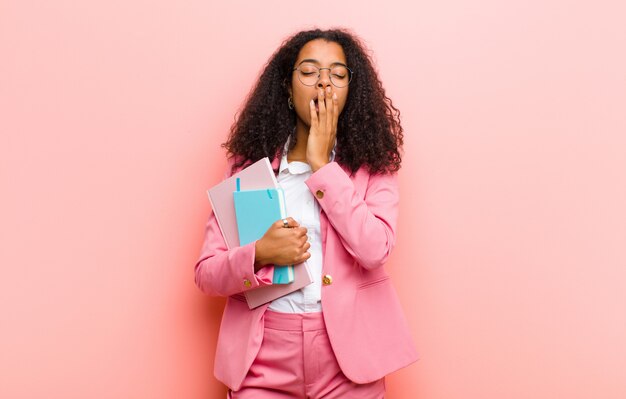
327,279
319,194
246,282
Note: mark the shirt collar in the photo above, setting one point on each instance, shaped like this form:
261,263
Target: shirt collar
297,167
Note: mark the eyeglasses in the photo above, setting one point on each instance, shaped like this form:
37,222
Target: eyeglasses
309,74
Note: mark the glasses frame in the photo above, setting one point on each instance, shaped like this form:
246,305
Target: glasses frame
319,73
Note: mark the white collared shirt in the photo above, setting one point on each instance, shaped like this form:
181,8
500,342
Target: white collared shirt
302,206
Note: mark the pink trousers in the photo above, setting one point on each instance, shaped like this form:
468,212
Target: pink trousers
297,361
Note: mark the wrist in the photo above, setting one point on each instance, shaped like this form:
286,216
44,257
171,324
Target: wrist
259,260
257,267
315,166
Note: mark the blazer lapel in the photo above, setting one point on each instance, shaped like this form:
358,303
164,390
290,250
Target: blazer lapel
276,162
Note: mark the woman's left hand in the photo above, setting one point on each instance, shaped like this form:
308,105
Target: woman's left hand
323,128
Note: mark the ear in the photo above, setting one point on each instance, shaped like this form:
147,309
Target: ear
287,85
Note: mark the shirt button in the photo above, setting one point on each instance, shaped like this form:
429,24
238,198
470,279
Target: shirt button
319,194
327,279
247,282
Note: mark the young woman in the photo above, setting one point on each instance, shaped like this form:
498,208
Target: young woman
320,113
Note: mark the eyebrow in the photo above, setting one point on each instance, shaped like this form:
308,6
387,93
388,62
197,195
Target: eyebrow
314,61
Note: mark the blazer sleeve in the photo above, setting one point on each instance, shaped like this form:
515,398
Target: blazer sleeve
223,272
366,223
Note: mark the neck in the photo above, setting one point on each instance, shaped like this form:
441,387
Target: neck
298,152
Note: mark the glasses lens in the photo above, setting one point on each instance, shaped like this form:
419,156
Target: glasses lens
308,74
340,76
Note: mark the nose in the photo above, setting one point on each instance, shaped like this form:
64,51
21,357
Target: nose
323,79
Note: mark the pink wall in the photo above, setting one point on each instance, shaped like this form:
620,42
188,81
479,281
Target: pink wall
510,261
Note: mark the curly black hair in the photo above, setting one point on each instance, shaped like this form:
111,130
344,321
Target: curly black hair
369,133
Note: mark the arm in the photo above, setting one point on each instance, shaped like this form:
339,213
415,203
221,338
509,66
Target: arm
223,272
366,227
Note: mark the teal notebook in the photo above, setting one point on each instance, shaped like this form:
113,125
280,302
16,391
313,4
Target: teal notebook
256,211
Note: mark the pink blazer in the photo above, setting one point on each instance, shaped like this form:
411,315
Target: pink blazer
364,319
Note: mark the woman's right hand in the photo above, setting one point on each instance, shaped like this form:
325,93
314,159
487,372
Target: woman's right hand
282,246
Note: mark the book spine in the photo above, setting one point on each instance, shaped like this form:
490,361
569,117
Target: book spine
282,274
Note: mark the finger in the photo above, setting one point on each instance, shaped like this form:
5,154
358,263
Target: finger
299,262
300,239
303,240
329,110
302,258
328,98
313,112
290,223
335,112
322,106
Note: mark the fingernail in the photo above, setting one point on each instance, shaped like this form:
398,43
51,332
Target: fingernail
334,96
312,102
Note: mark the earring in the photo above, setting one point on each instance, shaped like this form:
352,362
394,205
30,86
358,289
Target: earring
290,103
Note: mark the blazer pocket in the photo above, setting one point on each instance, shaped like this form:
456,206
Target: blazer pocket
372,283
